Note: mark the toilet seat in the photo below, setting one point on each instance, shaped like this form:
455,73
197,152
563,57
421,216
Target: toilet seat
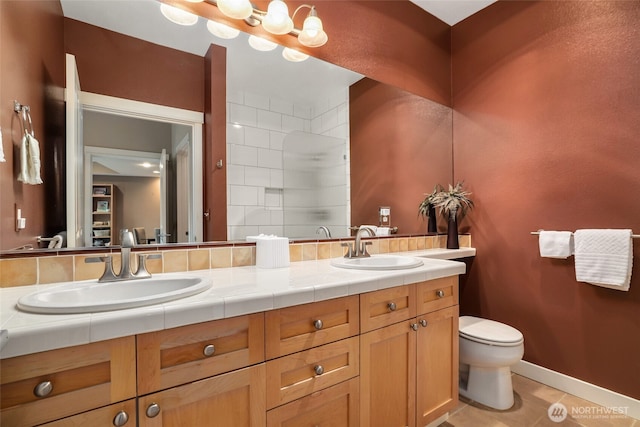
489,332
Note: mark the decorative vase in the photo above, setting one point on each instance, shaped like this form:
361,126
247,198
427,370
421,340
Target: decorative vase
452,231
432,226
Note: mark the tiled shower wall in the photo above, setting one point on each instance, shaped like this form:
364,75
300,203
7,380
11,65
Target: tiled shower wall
256,128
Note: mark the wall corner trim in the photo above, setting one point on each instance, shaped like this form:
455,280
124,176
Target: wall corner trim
591,392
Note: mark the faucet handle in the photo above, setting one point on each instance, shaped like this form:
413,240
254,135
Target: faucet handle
363,249
349,253
107,275
141,271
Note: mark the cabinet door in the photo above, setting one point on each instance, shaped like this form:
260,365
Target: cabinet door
336,406
296,375
119,415
235,399
47,386
387,376
437,370
305,326
387,306
180,355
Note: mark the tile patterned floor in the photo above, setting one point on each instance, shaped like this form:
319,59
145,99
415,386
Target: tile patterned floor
532,401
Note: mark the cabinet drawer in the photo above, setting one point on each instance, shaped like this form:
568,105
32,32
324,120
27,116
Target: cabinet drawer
336,406
436,294
102,416
296,375
386,306
304,326
71,380
180,355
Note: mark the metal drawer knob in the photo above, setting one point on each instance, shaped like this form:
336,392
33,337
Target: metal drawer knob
209,350
440,293
392,306
318,324
153,410
318,369
120,419
414,326
423,323
43,389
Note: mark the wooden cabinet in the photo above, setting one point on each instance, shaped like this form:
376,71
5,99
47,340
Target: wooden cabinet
409,369
337,406
234,399
121,414
387,306
104,231
42,387
180,355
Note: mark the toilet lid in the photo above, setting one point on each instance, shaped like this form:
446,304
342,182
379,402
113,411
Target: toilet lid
490,331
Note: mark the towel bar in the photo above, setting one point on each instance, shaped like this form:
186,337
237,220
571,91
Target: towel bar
633,236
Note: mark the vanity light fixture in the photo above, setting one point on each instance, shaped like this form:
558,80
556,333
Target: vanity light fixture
277,20
263,45
223,31
293,55
178,16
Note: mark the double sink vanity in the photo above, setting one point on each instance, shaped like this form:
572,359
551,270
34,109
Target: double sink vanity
340,342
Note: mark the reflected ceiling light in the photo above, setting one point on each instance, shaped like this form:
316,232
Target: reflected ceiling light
237,9
158,172
293,55
263,45
178,16
277,20
145,164
312,34
221,30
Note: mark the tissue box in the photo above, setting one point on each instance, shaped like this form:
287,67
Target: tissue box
271,251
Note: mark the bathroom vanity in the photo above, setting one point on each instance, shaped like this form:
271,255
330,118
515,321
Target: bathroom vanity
306,345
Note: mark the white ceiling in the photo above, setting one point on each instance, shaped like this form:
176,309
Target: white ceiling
301,82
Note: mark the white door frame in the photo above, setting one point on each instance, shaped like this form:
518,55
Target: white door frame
143,110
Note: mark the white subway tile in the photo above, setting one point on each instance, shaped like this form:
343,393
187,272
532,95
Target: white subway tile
243,195
276,140
243,155
276,178
235,215
235,174
257,101
257,176
269,158
281,106
290,123
256,137
243,115
235,134
269,120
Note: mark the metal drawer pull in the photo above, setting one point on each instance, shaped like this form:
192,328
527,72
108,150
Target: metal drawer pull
153,410
423,323
414,326
43,389
318,369
440,293
120,419
391,306
318,324
209,350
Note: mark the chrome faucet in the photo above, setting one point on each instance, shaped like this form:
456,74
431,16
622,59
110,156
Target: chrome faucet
126,239
359,249
325,230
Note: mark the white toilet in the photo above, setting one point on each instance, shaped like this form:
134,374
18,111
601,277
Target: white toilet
487,351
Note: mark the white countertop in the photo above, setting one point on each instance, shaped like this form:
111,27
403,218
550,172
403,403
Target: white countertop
235,291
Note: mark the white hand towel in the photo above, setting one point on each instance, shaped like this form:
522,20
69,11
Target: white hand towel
2,159
383,231
604,258
30,161
556,244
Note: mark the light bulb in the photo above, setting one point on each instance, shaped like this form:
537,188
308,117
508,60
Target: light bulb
293,55
261,44
178,16
312,34
221,30
237,9
277,20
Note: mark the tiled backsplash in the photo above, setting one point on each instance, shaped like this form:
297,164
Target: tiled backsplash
62,267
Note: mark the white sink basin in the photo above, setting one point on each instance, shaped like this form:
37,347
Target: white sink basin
79,297
378,262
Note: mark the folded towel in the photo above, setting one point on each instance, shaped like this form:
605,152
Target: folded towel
2,159
556,244
604,257
383,231
373,228
30,160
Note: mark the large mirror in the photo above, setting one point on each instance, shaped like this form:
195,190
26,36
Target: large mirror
271,104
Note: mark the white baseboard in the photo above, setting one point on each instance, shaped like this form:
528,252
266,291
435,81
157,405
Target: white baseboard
579,388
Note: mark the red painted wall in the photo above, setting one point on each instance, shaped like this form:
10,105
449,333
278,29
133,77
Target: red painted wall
400,148
546,98
31,72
